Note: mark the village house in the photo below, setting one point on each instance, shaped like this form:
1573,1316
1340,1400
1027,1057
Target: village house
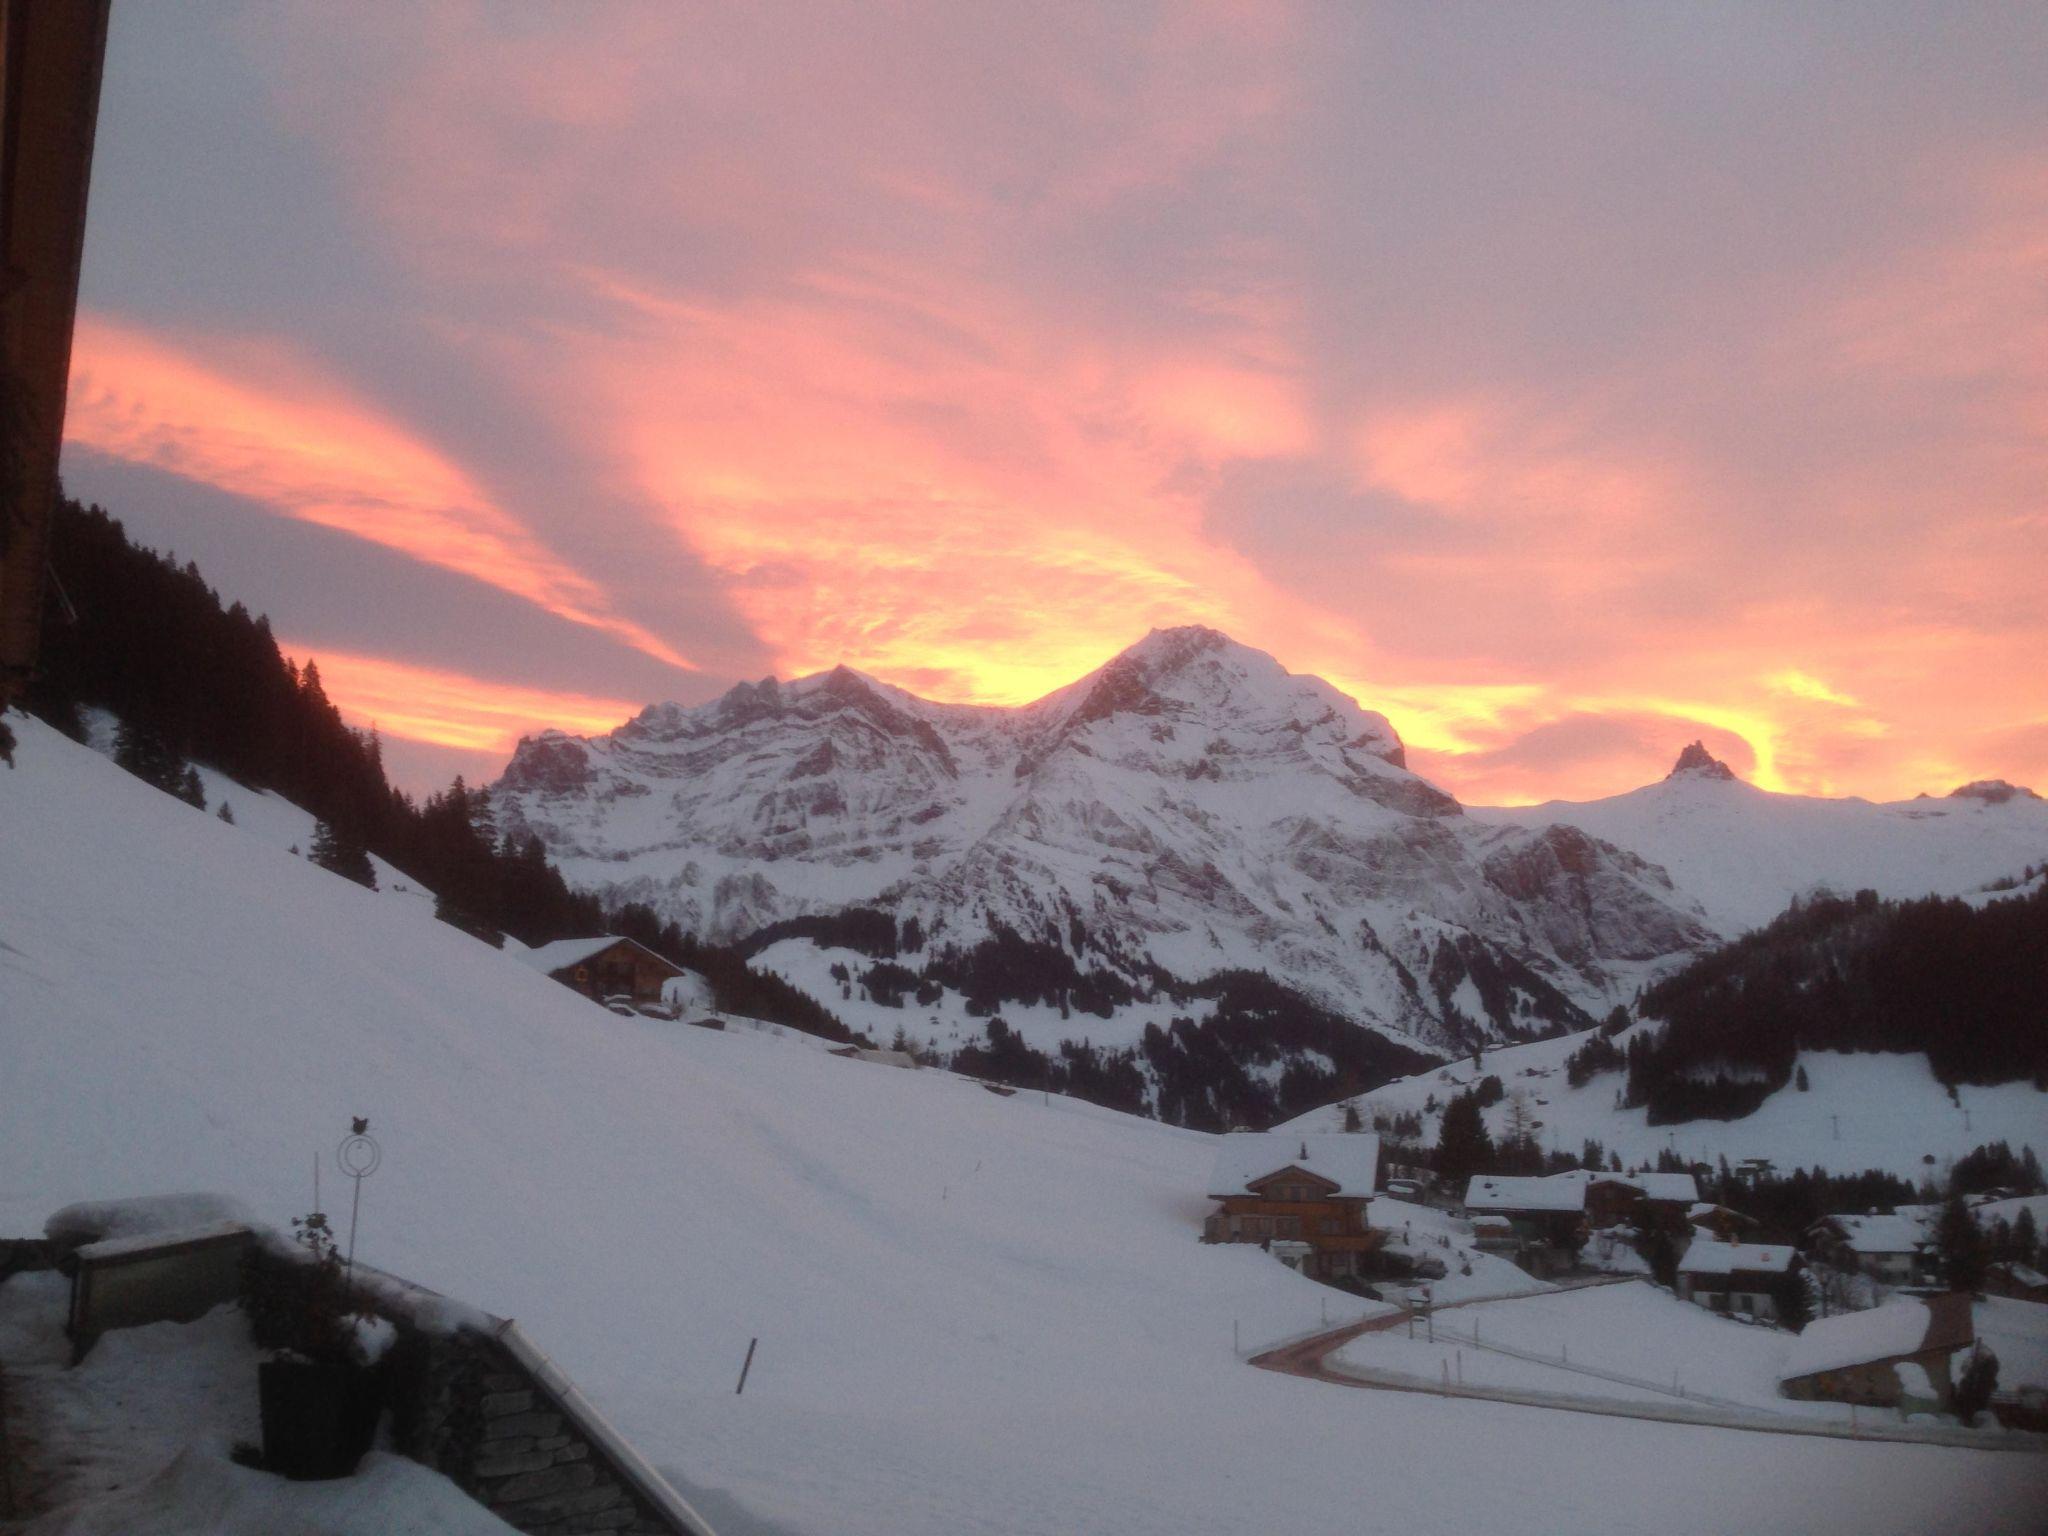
605,967
1721,1222
2020,1282
1882,1356
1279,1189
1553,1215
1745,1279
1889,1246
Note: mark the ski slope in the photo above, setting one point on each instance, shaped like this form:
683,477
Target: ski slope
976,1314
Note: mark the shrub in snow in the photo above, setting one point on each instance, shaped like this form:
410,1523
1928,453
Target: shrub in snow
1975,1386
302,1307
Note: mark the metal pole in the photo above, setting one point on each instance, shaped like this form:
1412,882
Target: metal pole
355,1210
745,1367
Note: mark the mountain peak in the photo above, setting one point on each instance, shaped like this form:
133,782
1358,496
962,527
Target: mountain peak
1697,762
1992,792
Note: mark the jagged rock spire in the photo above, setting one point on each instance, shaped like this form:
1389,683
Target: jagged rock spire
1697,761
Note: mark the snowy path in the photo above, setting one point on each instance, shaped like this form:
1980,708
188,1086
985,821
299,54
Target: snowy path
1310,1358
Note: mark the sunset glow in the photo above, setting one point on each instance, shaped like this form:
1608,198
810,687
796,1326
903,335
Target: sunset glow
448,709
1465,370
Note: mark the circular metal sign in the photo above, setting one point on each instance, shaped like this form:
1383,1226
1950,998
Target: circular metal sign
359,1156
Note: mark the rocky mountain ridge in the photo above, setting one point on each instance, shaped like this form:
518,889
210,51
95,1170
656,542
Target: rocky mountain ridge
1190,807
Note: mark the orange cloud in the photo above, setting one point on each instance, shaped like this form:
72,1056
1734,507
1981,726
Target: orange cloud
449,709
901,474
276,434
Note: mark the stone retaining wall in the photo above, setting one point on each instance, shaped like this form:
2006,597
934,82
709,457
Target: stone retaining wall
466,1407
471,1397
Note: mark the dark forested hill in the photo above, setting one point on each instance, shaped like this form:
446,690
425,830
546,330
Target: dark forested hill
1964,984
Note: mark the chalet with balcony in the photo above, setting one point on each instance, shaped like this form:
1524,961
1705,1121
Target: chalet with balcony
605,968
1279,1189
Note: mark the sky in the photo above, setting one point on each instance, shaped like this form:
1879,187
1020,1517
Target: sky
1566,382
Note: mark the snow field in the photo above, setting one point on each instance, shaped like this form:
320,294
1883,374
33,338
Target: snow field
976,1314
1862,1111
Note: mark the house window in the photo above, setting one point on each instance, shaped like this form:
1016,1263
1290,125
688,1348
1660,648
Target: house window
1332,1226
1287,1226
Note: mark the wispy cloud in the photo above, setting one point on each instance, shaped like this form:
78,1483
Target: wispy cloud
263,425
449,709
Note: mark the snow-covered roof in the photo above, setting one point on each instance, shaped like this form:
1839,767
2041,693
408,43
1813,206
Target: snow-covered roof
563,953
1350,1160
1707,1257
1902,1231
1881,1333
2024,1274
96,1221
150,1242
1567,1191
1505,1192
1665,1186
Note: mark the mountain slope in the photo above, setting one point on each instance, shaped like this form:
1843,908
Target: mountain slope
975,1314
1743,853
1190,807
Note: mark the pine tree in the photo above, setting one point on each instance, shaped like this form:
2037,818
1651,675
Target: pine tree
1353,1121
143,753
191,790
1799,1081
342,854
1960,1246
1462,1146
226,813
2026,1241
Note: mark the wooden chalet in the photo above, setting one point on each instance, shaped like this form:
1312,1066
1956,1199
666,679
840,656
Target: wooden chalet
1880,1355
1720,1222
605,968
1553,1215
1892,1246
1275,1188
1749,1279
2019,1282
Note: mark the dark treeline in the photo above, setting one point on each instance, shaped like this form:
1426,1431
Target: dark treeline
1258,1058
133,632
1962,984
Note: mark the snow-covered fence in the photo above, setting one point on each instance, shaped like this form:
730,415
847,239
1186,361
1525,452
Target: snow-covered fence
1563,1361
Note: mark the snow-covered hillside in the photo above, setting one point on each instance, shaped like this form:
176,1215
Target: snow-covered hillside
1860,1111
1195,806
976,1314
267,816
1744,853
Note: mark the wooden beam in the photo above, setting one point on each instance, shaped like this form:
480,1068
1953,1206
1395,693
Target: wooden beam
49,103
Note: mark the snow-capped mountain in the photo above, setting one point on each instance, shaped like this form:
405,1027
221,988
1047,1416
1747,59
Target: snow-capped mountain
1190,805
1193,806
1744,853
